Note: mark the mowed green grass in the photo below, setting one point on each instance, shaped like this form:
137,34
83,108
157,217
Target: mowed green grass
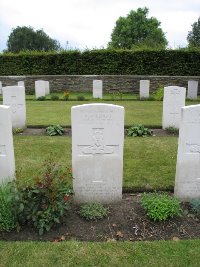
88,254
148,162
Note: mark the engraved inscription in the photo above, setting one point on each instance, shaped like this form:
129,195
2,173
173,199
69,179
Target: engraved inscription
96,116
14,105
2,150
98,146
193,117
175,91
192,148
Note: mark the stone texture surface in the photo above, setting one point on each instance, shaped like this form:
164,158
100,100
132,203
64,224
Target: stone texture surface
173,101
187,183
14,96
97,152
144,89
192,89
97,89
40,88
124,83
7,160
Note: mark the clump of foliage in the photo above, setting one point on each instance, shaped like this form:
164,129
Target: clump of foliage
160,206
139,130
172,130
195,205
44,202
93,211
158,94
66,95
54,97
194,35
17,130
80,98
8,220
41,98
54,130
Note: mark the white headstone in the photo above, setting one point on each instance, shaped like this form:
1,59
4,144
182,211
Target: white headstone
144,89
21,83
187,184
192,89
97,152
0,87
97,88
7,160
173,101
40,88
14,96
47,89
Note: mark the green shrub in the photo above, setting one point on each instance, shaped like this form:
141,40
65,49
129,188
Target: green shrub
41,98
66,95
17,130
43,203
8,220
54,130
195,205
54,97
172,130
139,130
160,206
158,94
80,98
93,211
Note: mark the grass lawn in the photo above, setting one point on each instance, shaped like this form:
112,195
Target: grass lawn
157,253
148,162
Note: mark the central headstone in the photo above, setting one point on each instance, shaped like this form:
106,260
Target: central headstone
192,90
173,101
47,88
7,160
40,88
97,152
97,88
144,89
187,185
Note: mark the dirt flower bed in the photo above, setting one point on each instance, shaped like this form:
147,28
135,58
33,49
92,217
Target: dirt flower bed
126,221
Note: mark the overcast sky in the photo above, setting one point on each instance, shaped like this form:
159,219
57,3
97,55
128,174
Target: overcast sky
89,23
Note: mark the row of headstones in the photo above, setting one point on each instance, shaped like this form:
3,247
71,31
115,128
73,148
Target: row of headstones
97,152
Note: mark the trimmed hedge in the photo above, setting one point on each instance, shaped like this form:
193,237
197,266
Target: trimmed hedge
102,62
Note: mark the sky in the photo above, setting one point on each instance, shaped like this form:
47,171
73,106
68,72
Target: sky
88,24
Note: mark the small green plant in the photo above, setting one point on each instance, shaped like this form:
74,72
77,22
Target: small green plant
8,219
41,98
172,130
139,130
93,211
54,97
17,130
80,98
195,205
66,95
43,203
158,94
160,206
54,130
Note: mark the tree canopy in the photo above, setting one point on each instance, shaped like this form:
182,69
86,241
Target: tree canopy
194,35
136,30
26,38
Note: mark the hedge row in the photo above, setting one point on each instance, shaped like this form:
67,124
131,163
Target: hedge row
103,62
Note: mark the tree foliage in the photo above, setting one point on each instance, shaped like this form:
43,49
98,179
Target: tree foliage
26,38
136,30
194,35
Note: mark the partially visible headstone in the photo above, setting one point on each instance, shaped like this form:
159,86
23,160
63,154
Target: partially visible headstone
0,87
173,101
187,183
7,160
192,89
97,88
21,83
47,89
144,89
14,96
97,152
40,88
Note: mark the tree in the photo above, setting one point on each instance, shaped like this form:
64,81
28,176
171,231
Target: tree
194,35
136,30
25,38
